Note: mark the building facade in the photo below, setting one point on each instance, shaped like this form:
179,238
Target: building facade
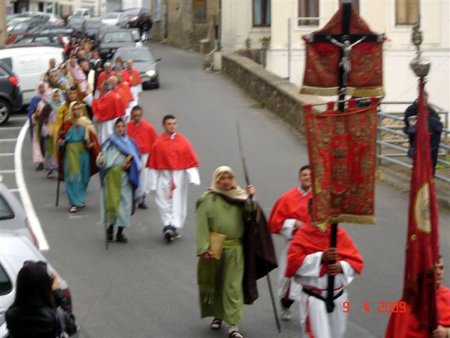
284,22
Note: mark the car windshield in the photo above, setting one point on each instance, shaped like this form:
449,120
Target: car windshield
93,24
117,37
137,55
75,19
21,27
5,210
17,21
111,16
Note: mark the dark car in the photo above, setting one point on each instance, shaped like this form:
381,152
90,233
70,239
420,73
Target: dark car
111,41
10,95
90,28
54,29
56,40
136,17
144,62
22,24
76,22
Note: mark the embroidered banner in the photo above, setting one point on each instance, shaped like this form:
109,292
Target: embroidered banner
342,156
321,75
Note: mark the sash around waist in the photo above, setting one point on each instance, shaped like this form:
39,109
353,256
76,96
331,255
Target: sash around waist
232,243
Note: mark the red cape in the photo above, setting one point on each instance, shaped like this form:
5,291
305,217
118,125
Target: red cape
292,204
103,77
176,154
406,325
65,127
108,107
309,239
125,92
132,77
143,134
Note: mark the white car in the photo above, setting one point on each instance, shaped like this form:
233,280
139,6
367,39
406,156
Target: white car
15,251
13,218
115,18
29,64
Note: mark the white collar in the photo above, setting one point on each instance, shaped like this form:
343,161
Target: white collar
303,192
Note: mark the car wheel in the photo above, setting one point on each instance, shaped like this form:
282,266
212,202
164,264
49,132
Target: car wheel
5,112
156,86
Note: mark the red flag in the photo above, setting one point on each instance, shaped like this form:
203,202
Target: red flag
422,245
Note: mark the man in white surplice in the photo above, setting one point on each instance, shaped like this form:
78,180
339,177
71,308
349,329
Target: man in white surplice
173,166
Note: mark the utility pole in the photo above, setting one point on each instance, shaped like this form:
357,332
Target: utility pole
2,22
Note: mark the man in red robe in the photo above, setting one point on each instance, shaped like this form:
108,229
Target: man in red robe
404,324
124,90
173,166
105,75
106,109
289,213
133,77
311,261
144,134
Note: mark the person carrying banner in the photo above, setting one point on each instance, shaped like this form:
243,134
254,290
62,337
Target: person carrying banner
309,261
289,213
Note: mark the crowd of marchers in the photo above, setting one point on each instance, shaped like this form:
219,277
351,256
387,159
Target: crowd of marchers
86,119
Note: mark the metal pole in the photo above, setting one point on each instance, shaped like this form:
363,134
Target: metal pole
289,49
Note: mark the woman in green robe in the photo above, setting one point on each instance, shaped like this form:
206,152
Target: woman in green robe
222,210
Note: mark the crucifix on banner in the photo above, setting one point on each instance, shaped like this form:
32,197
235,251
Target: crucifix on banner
329,71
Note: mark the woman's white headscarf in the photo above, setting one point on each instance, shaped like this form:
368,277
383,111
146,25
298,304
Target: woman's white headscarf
236,192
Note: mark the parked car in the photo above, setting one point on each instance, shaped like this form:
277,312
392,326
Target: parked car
16,250
54,29
136,16
115,18
89,28
144,62
112,40
82,12
22,24
13,219
29,64
10,95
76,22
56,40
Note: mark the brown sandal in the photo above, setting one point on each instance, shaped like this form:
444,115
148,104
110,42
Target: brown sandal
235,334
216,324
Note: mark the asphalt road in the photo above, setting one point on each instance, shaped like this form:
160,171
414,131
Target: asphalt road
147,288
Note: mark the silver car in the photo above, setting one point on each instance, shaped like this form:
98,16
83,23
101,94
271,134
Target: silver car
13,218
15,251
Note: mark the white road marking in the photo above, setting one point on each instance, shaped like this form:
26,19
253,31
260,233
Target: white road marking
6,154
18,118
7,171
8,139
24,195
14,190
10,128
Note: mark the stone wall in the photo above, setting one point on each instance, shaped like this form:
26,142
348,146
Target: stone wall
271,91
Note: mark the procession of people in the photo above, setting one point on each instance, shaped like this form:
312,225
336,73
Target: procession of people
86,119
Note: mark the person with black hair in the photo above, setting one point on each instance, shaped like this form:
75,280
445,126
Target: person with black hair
144,134
39,309
173,166
435,127
289,213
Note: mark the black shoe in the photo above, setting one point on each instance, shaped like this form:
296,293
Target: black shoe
143,205
169,233
40,166
110,233
121,238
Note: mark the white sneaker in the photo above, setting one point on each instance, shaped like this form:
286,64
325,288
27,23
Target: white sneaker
285,314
